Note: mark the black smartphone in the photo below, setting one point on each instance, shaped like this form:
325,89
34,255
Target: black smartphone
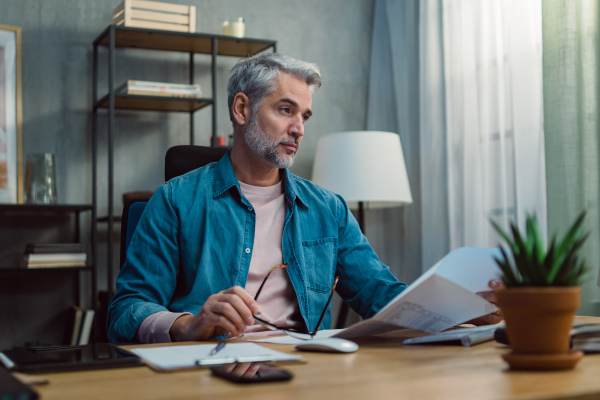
251,373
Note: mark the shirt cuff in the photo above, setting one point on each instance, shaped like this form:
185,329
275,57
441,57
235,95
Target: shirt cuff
155,327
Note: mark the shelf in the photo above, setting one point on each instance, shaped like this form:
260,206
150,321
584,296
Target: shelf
155,103
105,219
183,41
44,208
36,270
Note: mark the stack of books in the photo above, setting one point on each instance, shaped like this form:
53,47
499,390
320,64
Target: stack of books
50,255
147,88
81,322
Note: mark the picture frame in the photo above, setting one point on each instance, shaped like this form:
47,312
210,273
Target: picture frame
11,163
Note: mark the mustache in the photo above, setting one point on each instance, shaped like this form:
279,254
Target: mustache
294,139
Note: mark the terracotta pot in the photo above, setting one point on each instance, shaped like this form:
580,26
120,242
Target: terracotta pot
539,319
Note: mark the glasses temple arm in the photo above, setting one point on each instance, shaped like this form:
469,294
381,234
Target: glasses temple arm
326,307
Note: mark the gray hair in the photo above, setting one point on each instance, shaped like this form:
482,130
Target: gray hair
256,77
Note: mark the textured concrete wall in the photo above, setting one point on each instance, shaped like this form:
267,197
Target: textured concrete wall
57,38
57,81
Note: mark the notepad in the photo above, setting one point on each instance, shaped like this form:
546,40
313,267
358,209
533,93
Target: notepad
177,357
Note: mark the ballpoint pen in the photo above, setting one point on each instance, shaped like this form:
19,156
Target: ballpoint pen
217,348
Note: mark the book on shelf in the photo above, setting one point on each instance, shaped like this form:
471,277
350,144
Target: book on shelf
75,318
45,248
160,89
51,260
86,327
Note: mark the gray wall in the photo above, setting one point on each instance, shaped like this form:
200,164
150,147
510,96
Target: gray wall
57,38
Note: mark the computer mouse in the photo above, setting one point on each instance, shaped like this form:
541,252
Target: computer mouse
328,345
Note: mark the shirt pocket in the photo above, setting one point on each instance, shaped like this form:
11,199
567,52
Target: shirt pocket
320,258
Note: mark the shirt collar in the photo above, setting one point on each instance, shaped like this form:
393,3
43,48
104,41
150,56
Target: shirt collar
225,179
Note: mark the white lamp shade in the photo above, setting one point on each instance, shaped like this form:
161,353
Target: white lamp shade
365,166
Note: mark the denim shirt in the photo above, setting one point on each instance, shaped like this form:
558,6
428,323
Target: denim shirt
195,239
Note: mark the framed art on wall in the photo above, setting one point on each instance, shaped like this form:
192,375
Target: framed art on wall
11,166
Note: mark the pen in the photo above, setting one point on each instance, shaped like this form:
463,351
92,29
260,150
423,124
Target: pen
217,348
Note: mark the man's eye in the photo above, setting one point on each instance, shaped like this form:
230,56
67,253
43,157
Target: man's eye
305,117
286,110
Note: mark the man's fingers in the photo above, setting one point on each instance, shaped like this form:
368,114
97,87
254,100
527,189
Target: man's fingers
245,297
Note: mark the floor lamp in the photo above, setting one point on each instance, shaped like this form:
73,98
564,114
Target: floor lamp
363,167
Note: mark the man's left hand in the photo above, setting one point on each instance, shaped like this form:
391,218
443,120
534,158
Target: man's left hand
489,295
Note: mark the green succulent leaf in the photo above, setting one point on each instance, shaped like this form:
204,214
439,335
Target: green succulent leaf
529,263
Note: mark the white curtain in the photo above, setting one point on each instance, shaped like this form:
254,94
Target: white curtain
481,120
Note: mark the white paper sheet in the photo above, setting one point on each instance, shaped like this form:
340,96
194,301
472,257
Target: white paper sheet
442,297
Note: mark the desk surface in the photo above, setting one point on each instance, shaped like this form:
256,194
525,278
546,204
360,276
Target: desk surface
381,368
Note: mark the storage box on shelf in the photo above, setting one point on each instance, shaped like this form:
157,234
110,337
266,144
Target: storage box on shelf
155,15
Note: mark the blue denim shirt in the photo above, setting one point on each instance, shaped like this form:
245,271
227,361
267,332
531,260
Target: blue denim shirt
195,239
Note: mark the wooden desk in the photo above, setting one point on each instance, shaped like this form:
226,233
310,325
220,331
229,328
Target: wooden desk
382,368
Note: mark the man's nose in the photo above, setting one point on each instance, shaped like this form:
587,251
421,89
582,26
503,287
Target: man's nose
297,128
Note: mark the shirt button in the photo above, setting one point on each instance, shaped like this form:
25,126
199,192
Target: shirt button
247,250
250,208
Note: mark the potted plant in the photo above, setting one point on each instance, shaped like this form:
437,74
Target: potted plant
541,294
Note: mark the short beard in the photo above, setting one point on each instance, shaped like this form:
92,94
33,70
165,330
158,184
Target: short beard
259,143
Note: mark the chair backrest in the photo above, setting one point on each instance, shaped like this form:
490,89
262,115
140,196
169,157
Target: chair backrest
182,159
132,212
178,161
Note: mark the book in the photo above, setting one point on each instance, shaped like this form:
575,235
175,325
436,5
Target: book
53,264
75,317
55,257
45,248
86,327
443,297
160,89
52,260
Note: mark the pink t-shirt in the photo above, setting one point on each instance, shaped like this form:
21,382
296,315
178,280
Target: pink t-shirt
278,303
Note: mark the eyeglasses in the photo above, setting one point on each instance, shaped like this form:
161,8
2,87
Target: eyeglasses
292,332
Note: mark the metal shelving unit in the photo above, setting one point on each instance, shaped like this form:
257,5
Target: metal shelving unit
51,210
115,37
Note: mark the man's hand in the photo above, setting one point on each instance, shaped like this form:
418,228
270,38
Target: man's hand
230,310
489,295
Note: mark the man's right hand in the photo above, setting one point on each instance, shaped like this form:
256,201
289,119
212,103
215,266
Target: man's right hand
228,311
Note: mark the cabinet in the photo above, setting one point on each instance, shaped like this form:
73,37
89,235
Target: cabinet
192,43
36,302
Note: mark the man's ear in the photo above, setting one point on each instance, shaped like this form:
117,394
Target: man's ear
241,109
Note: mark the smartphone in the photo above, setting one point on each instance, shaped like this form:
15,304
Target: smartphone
251,373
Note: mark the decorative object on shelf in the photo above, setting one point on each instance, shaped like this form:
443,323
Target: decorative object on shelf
160,89
541,295
363,167
11,170
235,27
40,179
155,15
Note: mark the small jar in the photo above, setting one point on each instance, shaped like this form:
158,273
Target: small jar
237,28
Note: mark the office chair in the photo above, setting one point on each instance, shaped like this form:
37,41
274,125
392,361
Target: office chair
178,161
182,159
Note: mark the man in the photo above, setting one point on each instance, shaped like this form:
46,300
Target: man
208,239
